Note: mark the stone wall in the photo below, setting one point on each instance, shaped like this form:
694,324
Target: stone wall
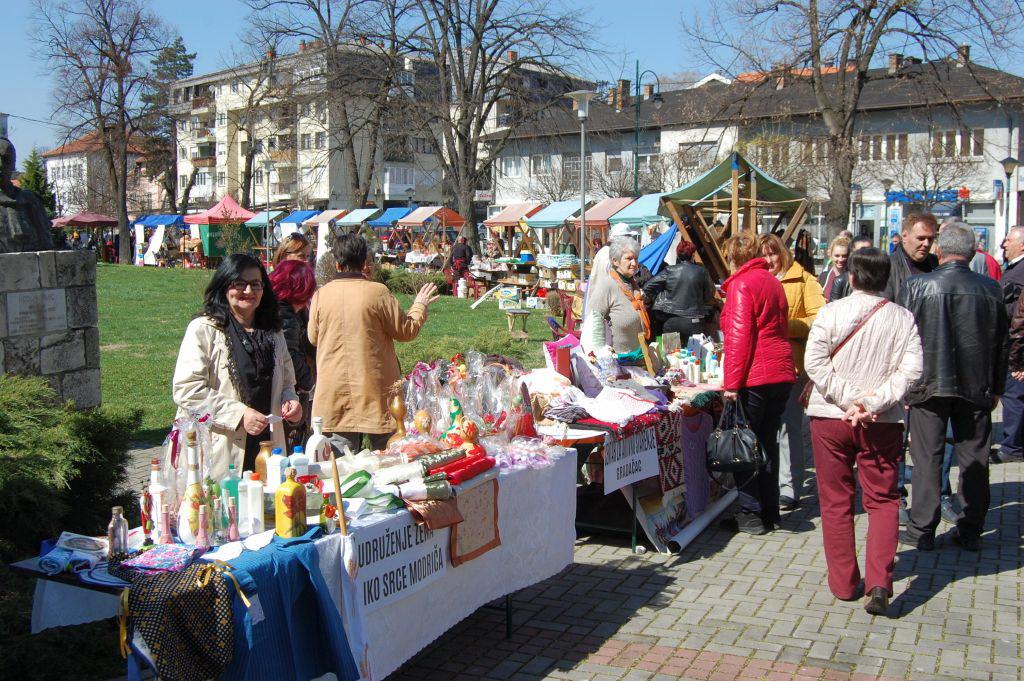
48,321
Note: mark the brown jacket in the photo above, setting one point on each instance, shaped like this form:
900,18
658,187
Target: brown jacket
354,323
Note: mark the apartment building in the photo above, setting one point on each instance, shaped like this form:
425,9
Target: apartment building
929,136
80,178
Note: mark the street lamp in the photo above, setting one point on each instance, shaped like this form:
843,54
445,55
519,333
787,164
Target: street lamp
582,99
856,197
883,233
268,165
657,101
1009,164
409,194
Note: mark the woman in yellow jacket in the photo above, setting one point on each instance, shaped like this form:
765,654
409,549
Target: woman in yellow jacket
805,298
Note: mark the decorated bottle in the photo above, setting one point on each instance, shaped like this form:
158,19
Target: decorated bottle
229,485
202,536
317,446
146,515
117,532
219,522
193,498
266,449
165,525
159,494
290,507
232,531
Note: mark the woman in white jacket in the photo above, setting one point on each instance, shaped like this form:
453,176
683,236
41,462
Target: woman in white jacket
862,354
234,365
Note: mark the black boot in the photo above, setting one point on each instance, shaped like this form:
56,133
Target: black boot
878,602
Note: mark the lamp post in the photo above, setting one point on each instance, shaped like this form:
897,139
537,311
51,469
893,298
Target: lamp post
883,233
268,165
1009,164
856,197
582,99
657,101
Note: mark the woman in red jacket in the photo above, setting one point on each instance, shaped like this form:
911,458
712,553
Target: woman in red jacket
759,371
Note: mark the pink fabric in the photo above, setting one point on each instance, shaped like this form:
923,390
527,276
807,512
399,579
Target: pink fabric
875,450
756,329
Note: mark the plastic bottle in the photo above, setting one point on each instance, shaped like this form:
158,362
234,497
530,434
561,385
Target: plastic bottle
229,485
276,465
317,446
290,507
254,505
117,532
299,461
266,447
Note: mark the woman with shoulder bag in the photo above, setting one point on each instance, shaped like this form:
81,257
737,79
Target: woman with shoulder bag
862,354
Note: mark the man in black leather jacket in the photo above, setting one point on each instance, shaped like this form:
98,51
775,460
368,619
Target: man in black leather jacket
1011,445
841,286
682,294
963,326
913,255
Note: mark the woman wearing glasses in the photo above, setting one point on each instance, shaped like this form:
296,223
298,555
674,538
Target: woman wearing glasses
234,365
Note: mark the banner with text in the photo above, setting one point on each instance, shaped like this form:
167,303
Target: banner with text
630,459
395,558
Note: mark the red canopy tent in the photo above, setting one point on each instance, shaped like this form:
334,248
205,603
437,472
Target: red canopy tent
226,211
435,219
87,220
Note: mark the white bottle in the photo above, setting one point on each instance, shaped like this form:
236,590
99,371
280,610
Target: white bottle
317,446
299,461
276,465
158,493
250,512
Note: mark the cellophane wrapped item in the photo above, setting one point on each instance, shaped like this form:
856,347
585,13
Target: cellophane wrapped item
409,448
523,452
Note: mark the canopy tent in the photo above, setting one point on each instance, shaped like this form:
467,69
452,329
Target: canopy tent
292,222
433,222
322,223
324,217
640,213
553,216
389,217
264,218
87,220
653,254
513,217
597,216
161,220
738,188
358,216
226,211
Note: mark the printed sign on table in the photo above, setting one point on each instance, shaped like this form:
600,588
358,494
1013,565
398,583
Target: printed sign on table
630,459
395,558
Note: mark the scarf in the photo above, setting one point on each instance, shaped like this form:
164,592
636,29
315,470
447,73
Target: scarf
252,360
635,298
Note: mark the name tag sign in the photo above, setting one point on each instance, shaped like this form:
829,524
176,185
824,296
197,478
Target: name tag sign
396,558
630,459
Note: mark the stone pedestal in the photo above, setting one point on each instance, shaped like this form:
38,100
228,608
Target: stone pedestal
48,321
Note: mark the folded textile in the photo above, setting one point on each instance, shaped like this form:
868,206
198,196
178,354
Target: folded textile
435,514
67,560
471,470
163,558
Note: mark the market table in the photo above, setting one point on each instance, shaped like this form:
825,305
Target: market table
385,627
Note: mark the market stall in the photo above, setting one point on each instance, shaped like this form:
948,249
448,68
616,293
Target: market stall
163,237
596,220
95,223
510,221
293,223
547,220
265,221
643,216
352,222
431,231
223,226
394,243
322,224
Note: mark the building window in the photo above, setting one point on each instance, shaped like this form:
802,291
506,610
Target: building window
305,109
511,166
222,179
234,86
272,142
182,180
181,152
613,163
698,154
321,111
399,175
182,125
202,178
421,145
258,146
222,118
540,164
953,143
306,141
321,140
258,176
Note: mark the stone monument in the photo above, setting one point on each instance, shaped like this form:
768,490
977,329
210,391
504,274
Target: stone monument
48,312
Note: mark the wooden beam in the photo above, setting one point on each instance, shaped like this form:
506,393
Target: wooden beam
778,221
707,246
752,208
795,222
735,210
710,230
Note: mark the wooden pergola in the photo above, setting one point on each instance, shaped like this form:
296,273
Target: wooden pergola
743,192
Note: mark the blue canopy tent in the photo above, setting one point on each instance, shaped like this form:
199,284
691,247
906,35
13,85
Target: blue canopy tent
390,216
653,254
292,222
161,221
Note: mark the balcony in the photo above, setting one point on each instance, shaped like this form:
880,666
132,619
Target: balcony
283,157
282,189
204,134
201,104
204,162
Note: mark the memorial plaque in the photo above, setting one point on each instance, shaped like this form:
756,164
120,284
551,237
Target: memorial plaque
36,312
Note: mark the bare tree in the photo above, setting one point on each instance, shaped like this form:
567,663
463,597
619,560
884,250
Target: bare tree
489,56
831,47
99,52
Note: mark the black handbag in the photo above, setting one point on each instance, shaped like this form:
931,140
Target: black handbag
733,447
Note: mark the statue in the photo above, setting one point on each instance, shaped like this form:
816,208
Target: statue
23,222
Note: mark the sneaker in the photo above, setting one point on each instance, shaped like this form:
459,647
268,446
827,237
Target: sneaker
788,503
968,542
926,542
949,510
878,602
904,515
746,522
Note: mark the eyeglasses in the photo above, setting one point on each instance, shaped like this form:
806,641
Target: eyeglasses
242,284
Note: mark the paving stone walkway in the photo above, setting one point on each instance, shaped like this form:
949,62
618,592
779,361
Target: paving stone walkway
744,608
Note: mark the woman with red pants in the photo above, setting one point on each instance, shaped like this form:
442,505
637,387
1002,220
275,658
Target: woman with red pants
862,354
759,372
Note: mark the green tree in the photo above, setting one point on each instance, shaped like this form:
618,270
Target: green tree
33,179
159,134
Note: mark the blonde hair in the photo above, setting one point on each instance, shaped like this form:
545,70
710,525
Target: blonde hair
773,244
840,240
739,249
290,245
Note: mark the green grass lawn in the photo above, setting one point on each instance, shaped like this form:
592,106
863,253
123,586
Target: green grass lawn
143,313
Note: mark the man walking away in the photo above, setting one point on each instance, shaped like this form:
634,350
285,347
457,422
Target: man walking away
963,326
1010,446
913,254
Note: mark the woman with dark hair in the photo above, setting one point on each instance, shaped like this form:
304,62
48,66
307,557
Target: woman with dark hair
682,294
862,354
758,371
294,284
234,365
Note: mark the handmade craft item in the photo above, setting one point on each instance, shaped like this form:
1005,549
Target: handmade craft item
398,411
202,536
290,507
232,532
117,533
165,525
266,448
146,513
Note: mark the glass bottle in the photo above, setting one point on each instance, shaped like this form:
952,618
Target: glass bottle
202,536
165,525
117,533
266,447
232,532
290,507
158,493
193,499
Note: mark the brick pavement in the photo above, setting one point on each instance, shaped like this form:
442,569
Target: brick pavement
745,608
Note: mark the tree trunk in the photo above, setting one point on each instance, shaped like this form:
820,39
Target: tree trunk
188,190
245,198
837,207
464,199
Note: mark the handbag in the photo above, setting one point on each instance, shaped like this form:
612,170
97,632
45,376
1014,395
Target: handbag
732,446
805,394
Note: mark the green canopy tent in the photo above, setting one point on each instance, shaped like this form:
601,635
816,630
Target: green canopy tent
739,188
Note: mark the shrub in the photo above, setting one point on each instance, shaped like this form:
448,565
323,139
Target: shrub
59,469
406,281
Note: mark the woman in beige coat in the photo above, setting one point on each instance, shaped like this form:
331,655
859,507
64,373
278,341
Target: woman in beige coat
234,365
354,324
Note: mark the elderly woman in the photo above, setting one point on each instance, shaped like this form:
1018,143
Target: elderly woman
804,299
758,372
862,354
234,365
354,324
838,252
294,246
615,300
682,294
294,284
